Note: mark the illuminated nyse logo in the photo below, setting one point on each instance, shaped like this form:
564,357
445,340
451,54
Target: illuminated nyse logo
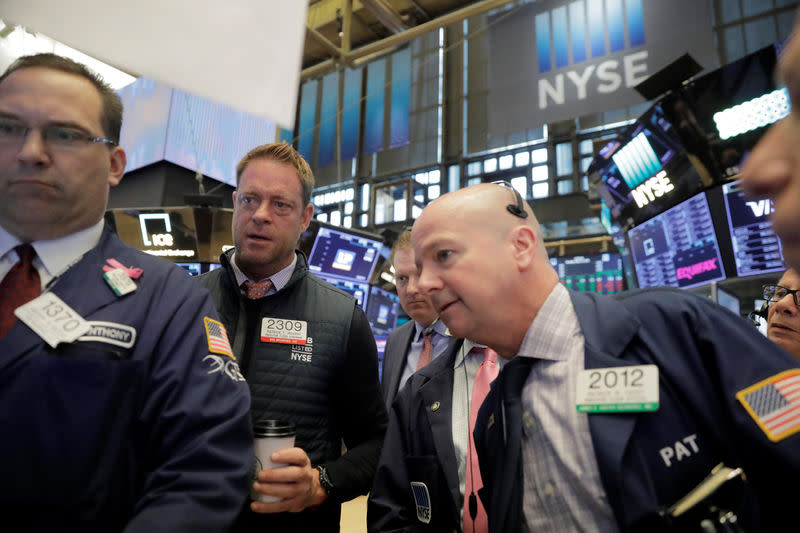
589,29
642,170
753,114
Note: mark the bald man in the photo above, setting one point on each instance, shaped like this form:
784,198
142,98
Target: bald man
612,408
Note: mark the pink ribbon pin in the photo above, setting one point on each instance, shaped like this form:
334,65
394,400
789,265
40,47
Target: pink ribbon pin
133,273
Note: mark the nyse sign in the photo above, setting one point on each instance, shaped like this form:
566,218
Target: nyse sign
555,60
604,78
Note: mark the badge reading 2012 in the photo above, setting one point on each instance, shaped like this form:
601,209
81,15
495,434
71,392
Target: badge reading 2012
284,331
618,389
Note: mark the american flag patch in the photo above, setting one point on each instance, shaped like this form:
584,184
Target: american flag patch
774,404
217,338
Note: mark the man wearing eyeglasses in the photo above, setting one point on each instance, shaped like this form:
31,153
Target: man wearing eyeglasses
611,408
783,319
122,406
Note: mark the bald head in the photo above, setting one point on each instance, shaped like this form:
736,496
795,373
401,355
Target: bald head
485,205
484,268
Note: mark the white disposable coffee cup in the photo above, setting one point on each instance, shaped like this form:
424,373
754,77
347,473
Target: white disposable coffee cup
270,436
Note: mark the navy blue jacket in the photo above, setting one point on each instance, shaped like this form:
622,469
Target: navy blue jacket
705,356
419,448
136,425
394,360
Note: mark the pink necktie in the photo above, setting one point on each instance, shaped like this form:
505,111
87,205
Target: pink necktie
22,284
426,351
483,379
257,289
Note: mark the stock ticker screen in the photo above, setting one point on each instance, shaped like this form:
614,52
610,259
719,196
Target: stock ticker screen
756,247
600,273
383,310
344,255
359,291
678,247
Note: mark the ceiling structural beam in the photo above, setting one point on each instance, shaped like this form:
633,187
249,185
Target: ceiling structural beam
329,46
386,15
393,41
347,25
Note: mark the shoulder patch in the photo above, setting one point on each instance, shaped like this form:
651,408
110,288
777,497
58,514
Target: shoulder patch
217,338
423,501
774,404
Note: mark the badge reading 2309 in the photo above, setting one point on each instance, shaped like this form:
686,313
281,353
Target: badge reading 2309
617,389
284,331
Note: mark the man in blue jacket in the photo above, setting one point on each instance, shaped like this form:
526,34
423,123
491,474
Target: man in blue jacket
612,409
121,404
406,345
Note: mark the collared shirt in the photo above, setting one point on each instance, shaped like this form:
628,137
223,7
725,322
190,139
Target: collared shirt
465,367
279,279
53,257
439,338
563,490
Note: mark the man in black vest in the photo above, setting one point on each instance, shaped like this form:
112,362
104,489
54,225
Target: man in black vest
321,373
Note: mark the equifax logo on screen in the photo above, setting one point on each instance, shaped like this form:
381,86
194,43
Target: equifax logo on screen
584,30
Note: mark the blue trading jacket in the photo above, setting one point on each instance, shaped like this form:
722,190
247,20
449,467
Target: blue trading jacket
139,425
705,356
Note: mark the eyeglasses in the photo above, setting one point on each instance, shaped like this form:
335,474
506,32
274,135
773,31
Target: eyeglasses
773,293
14,132
517,210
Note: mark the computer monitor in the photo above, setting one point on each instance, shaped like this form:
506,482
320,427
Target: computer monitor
600,273
756,247
193,269
380,343
383,309
344,254
359,291
678,247
725,298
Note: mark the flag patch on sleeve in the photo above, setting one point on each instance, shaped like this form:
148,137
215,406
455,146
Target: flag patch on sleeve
774,404
217,337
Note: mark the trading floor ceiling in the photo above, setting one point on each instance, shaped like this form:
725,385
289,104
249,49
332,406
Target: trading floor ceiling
374,27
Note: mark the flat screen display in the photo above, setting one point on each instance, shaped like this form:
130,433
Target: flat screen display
600,273
341,254
756,247
721,115
644,171
382,311
194,269
678,247
727,299
359,291
146,106
380,343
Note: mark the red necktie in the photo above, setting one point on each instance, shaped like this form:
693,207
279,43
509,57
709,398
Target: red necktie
21,285
257,289
483,379
426,351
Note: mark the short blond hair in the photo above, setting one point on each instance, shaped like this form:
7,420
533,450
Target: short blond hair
402,244
282,152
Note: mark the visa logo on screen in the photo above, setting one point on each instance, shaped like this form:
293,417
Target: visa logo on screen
582,31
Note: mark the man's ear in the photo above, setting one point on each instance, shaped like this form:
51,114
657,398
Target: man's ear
524,242
116,169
